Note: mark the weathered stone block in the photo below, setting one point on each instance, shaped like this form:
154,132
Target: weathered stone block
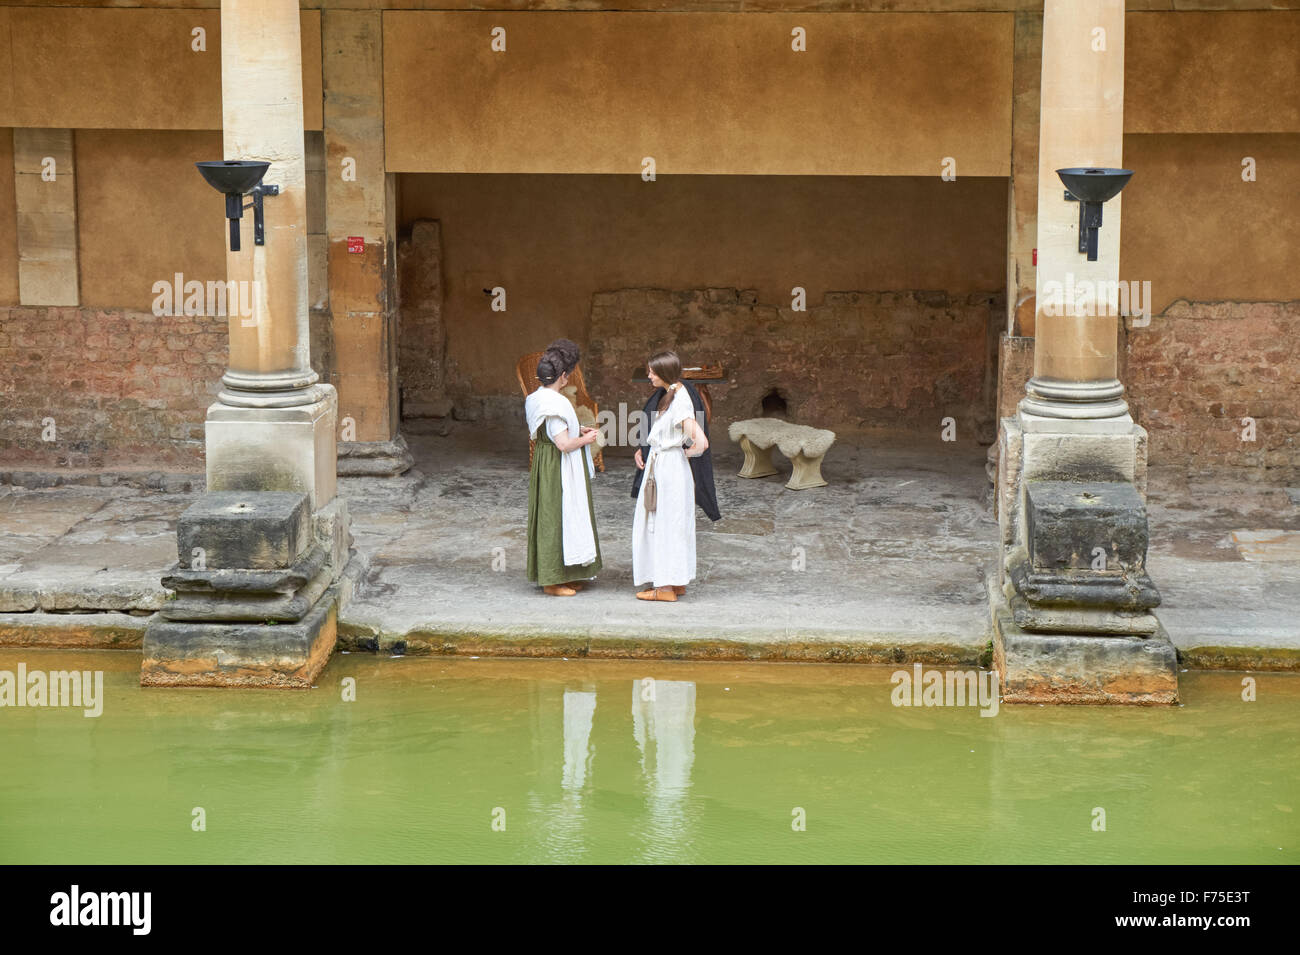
222,581
1081,457
1066,521
1128,590
275,449
1010,465
240,654
245,530
374,458
237,607
1096,620
1083,668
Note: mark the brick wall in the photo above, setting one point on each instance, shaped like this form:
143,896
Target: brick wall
1193,374
125,388
1199,368
857,360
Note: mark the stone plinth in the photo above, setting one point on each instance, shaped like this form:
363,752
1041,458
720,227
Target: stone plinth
234,530
265,448
257,591
242,654
374,458
1083,667
1072,602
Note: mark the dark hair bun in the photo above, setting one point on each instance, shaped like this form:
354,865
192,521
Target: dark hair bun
549,369
566,352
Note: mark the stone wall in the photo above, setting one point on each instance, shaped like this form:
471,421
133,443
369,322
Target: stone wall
422,339
121,386
858,360
1193,374
126,389
1199,368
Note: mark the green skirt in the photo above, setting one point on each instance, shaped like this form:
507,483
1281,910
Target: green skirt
545,518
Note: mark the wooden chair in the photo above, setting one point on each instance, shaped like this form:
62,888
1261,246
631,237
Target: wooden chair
526,373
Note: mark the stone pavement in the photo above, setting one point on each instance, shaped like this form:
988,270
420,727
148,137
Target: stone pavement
887,564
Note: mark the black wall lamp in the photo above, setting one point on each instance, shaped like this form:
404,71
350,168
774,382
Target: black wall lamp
1090,188
234,178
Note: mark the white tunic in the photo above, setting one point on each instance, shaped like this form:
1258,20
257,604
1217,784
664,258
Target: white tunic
663,543
577,535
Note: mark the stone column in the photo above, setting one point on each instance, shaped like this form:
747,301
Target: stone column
264,555
1022,186
273,426
1081,123
1072,603
361,214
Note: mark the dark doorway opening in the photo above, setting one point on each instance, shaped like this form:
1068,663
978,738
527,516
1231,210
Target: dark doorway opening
774,405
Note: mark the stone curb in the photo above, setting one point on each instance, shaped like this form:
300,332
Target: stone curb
110,630
72,631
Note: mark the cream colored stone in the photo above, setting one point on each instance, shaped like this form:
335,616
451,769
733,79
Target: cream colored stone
758,461
1062,456
262,118
275,449
1081,124
46,217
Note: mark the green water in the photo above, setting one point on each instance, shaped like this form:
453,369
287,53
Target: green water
584,770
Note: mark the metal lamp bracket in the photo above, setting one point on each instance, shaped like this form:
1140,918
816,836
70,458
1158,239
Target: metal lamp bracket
257,192
1089,223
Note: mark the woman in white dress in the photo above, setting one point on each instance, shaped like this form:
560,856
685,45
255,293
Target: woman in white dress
663,539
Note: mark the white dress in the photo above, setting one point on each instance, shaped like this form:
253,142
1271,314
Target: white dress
663,543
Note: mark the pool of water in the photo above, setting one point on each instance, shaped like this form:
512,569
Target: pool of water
461,760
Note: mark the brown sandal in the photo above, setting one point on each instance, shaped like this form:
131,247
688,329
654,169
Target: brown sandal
658,593
559,590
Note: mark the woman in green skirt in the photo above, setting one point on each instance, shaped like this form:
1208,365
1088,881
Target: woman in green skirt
563,550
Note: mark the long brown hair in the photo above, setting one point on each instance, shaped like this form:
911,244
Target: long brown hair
668,367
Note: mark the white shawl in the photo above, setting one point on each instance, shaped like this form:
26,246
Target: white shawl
577,534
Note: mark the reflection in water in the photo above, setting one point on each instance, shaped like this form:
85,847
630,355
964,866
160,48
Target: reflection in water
663,725
562,834
579,711
414,770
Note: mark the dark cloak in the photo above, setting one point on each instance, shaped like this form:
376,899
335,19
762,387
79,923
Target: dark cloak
706,496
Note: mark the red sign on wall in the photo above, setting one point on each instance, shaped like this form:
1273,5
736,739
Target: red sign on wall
356,244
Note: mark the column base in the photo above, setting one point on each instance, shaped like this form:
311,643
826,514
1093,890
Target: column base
257,592
374,458
187,653
1083,668
275,449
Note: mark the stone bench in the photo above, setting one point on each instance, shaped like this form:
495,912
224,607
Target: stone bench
804,446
